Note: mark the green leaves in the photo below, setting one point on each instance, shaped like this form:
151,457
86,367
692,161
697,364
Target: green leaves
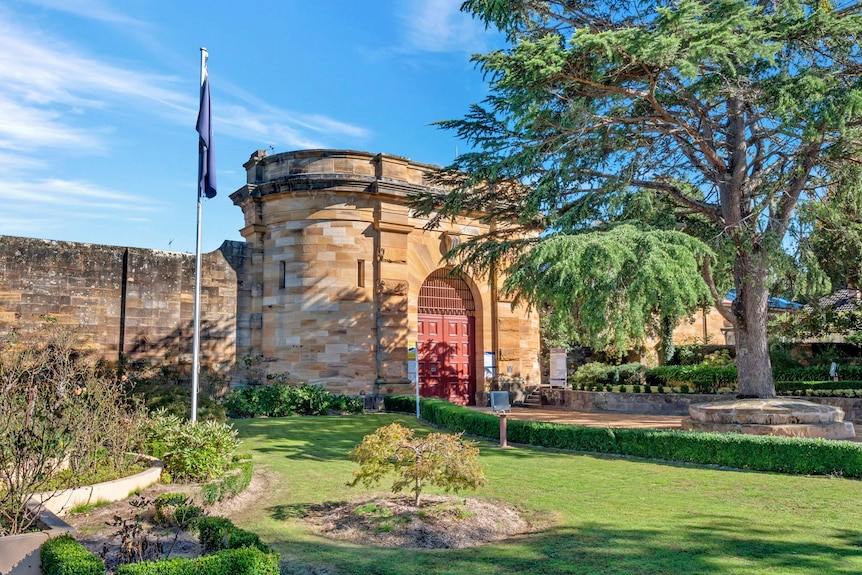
438,459
612,287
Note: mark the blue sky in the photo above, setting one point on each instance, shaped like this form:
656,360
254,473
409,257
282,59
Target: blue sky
99,98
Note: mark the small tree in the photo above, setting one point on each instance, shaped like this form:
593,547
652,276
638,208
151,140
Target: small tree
440,459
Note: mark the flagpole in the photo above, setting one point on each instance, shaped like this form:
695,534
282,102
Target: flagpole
196,339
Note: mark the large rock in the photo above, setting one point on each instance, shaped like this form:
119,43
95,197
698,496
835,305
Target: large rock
777,416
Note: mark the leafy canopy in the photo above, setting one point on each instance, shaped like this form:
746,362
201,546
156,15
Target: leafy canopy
440,459
725,114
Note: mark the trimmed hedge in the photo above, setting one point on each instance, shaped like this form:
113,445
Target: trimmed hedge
816,373
216,533
703,379
64,556
820,388
231,484
759,453
242,561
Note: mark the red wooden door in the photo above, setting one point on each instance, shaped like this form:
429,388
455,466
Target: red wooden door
446,358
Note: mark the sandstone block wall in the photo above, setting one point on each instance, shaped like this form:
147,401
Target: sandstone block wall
129,301
342,263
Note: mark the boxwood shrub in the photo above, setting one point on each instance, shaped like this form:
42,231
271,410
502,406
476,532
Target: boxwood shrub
241,561
216,533
231,484
64,556
759,453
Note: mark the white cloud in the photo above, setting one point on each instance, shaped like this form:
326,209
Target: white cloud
61,194
92,9
440,26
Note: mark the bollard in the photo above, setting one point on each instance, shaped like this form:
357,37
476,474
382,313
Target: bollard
503,439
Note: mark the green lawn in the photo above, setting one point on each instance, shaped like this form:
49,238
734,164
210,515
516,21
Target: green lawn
603,515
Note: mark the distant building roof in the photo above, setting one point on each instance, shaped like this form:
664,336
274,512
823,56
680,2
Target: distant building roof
842,300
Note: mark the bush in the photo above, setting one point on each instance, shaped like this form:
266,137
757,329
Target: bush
280,400
399,403
215,533
818,388
234,482
759,453
55,408
438,459
703,378
243,561
175,399
193,452
64,556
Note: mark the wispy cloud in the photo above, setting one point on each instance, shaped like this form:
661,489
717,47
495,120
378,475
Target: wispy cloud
62,194
440,26
253,119
92,9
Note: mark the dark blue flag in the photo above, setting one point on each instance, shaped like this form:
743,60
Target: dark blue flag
206,157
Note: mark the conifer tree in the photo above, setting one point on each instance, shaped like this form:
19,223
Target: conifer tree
725,114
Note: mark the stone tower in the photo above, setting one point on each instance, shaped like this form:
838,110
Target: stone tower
344,278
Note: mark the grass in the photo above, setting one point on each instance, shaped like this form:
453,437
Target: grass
597,514
87,507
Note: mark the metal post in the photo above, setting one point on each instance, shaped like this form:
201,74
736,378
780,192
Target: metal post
196,337
503,438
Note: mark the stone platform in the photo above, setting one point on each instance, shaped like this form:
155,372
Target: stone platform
776,416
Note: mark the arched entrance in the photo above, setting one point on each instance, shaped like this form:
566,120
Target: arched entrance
446,339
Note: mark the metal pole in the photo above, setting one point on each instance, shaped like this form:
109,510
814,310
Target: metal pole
196,338
503,439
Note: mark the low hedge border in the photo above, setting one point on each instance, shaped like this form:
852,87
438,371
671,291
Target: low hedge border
216,533
231,484
236,551
758,453
242,561
64,556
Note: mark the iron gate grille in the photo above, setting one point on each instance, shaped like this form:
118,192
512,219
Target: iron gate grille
445,294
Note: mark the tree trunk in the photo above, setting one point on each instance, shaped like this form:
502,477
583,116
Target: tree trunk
750,308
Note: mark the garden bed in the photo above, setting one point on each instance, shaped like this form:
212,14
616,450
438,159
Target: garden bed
61,502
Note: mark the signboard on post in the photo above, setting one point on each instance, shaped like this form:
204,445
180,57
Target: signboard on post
558,367
413,369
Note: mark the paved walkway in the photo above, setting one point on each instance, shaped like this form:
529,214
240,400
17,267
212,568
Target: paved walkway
594,419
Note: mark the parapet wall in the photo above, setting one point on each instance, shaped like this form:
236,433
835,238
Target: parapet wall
129,302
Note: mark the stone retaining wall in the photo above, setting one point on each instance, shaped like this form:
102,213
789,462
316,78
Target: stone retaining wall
663,403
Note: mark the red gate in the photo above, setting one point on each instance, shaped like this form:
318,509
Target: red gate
446,348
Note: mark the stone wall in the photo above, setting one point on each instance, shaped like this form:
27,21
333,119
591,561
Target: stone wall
129,302
342,260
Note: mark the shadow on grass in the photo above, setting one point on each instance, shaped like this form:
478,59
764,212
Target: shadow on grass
728,547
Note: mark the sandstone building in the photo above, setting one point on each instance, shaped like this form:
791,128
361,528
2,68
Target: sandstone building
335,280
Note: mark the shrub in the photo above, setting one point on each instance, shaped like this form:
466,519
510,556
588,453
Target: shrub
760,453
592,372
399,403
231,484
55,408
64,556
175,399
438,459
280,400
193,452
216,533
242,561
823,388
